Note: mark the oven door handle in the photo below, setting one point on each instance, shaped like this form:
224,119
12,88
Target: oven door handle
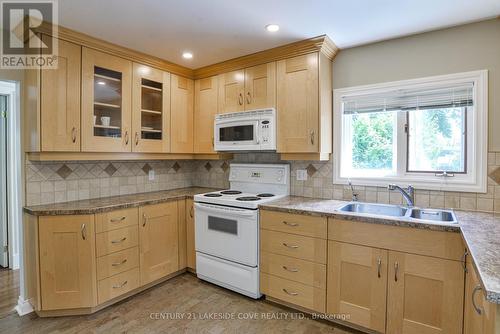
225,210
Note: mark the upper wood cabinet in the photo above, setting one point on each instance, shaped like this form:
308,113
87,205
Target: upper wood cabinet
205,109
304,104
181,120
60,101
158,241
106,102
357,284
67,262
248,89
150,110
425,294
231,91
479,314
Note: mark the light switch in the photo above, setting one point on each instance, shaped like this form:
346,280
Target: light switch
301,175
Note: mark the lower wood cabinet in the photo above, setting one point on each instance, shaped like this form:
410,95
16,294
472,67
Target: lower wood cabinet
357,284
479,314
67,262
78,264
190,247
159,244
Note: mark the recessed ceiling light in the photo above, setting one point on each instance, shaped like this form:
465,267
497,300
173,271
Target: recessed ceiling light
187,55
272,27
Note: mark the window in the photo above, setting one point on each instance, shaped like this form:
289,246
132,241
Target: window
429,132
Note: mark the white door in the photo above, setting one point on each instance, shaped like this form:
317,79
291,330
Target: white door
4,258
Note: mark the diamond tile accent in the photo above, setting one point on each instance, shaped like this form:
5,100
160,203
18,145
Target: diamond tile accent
176,166
110,169
208,166
224,166
495,175
64,171
311,170
146,168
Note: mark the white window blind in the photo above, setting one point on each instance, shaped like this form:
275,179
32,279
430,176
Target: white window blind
451,96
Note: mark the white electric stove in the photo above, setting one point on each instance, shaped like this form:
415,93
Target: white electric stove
227,225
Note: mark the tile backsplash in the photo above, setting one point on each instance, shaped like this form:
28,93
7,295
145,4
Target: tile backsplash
52,182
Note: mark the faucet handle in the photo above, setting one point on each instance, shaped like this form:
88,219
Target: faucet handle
391,186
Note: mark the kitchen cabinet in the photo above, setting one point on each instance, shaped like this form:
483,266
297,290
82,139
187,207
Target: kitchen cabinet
205,109
190,246
357,284
181,120
60,101
479,314
150,110
106,102
67,262
248,89
425,294
304,106
158,241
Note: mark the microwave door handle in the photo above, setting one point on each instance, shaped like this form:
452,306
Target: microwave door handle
226,211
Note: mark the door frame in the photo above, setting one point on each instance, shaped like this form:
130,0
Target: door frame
4,229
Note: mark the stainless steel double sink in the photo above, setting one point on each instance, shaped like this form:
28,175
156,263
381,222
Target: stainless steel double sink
412,214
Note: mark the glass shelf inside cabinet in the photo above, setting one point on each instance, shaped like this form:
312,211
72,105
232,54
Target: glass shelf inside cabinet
107,103
151,109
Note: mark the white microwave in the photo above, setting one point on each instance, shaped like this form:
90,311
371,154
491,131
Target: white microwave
253,130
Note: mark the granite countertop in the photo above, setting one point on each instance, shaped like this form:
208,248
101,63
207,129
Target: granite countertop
480,231
97,205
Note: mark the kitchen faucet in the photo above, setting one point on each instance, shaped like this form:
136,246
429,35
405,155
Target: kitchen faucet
355,195
408,195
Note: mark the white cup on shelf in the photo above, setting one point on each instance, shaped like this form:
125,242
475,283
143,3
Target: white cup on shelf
105,120
95,119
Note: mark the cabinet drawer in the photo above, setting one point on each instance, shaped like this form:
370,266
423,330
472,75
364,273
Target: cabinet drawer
294,293
117,285
116,240
113,220
309,273
305,248
292,223
118,262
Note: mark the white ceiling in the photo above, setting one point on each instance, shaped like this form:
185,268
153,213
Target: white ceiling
216,30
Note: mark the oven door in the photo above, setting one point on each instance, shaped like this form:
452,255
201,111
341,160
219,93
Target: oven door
236,135
228,233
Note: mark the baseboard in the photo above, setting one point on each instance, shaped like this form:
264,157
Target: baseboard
23,307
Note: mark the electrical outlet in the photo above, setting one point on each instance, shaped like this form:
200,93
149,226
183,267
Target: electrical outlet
301,175
151,175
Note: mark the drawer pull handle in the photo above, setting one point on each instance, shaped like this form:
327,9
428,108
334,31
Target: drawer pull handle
144,219
290,293
290,224
83,231
118,241
396,268
292,270
379,265
478,309
290,246
117,220
120,286
116,264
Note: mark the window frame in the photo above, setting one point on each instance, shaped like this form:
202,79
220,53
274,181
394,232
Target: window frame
475,178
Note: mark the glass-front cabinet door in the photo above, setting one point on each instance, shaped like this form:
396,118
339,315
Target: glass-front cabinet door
150,110
106,102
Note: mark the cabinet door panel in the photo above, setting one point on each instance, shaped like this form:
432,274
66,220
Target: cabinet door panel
150,110
106,102
60,101
67,262
357,283
158,233
425,295
231,91
205,109
181,123
260,86
191,253
298,104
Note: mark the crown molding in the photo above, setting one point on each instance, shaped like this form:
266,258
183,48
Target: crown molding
321,44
